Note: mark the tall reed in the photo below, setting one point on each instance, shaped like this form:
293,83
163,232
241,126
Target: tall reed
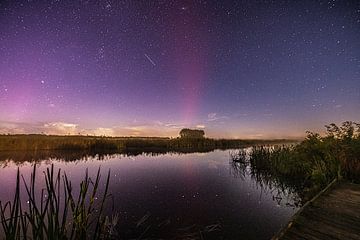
59,213
314,162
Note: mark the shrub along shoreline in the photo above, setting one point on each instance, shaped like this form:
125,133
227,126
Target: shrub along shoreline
314,162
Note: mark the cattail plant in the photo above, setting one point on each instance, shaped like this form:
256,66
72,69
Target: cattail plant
58,213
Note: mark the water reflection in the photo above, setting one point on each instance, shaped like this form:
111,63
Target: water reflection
19,157
172,195
284,190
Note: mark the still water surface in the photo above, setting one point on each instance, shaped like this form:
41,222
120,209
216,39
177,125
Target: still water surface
175,196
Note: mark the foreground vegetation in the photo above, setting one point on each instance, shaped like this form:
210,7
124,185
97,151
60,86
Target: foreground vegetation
58,213
310,165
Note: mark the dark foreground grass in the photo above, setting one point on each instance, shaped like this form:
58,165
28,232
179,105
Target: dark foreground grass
58,213
313,163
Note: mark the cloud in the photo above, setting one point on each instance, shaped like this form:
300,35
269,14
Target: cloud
241,115
61,128
211,117
55,128
174,125
256,136
9,127
157,128
103,132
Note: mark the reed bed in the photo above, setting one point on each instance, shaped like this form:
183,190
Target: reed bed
313,163
92,144
58,213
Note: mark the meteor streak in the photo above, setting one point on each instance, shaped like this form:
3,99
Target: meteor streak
150,60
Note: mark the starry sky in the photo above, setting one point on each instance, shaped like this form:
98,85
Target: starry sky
238,69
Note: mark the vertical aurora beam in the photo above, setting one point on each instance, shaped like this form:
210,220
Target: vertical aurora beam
189,58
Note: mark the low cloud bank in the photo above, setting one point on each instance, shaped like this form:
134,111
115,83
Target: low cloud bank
64,128
154,129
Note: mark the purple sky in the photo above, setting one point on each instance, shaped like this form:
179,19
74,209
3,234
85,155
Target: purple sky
249,69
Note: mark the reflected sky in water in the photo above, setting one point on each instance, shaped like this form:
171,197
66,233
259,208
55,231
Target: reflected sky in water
197,195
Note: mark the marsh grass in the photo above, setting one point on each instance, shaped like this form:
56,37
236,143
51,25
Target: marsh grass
92,144
309,166
59,213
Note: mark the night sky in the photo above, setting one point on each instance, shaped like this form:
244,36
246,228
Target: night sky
238,69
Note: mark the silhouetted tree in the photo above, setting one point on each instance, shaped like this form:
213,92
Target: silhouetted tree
191,133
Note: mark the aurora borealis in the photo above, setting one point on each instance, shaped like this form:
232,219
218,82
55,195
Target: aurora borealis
238,69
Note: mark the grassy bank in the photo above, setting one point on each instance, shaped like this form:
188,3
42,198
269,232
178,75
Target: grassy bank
313,163
119,144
